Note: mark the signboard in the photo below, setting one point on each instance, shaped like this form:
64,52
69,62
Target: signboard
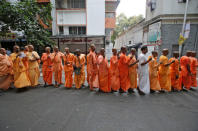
154,32
8,36
81,40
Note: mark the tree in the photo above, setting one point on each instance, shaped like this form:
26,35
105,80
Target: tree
26,16
123,23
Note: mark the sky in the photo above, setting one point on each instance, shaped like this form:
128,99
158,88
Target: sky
132,7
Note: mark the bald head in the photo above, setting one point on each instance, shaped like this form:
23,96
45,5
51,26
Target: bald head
47,49
114,51
2,51
123,49
31,48
92,47
154,53
16,48
77,52
26,48
188,53
165,52
102,51
67,50
133,51
194,54
176,54
56,49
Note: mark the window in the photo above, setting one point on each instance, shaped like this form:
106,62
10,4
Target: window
181,1
75,3
110,15
108,31
77,30
61,30
153,5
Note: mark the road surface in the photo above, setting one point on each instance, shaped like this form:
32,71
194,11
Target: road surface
60,109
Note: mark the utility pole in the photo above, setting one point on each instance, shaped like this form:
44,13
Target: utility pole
183,28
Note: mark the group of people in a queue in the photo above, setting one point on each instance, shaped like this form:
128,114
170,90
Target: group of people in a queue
125,73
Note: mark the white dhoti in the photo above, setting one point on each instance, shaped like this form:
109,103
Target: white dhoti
143,75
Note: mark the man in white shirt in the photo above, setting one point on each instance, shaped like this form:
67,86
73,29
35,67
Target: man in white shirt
143,72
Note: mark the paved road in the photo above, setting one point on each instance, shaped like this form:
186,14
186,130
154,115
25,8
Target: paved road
60,109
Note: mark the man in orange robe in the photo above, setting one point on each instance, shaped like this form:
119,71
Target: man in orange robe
193,67
93,69
103,72
174,72
133,70
124,70
33,66
68,68
25,51
6,76
57,66
164,72
79,63
21,78
114,72
47,66
25,60
185,70
88,64
153,72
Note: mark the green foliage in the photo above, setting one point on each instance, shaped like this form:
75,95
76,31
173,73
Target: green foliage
24,16
123,23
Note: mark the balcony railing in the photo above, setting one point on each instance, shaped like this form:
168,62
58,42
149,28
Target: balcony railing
43,1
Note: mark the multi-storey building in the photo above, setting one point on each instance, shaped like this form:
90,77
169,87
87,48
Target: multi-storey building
163,25
164,19
79,23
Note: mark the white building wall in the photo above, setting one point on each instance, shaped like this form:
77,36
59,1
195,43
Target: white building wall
68,17
66,30
95,17
171,7
53,13
135,35
159,8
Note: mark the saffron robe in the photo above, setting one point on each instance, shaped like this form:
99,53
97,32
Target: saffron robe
33,68
174,71
133,72
79,79
88,67
57,66
164,74
93,71
124,72
153,74
186,77
21,78
6,77
103,74
68,68
114,74
193,68
47,68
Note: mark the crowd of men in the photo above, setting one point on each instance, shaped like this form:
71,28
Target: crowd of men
125,72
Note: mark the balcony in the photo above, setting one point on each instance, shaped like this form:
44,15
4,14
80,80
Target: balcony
43,1
111,5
